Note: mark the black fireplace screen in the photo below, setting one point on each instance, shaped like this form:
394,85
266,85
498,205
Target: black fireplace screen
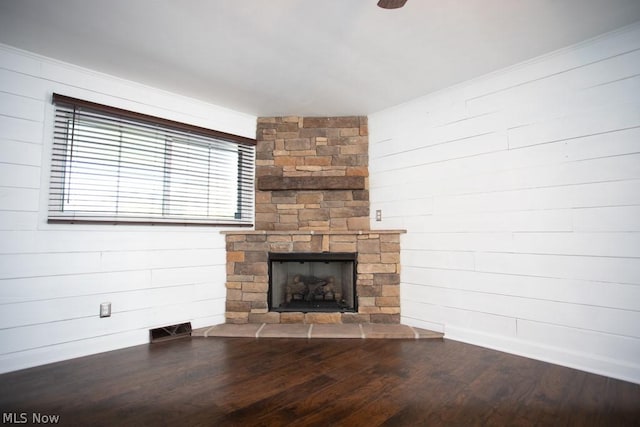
307,282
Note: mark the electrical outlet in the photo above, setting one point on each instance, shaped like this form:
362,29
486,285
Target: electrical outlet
105,309
379,215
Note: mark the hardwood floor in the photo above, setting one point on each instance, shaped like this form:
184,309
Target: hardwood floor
297,382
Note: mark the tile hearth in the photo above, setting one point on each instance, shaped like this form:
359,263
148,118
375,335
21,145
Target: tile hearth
353,331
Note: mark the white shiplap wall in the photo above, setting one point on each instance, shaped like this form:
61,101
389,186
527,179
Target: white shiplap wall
54,277
520,192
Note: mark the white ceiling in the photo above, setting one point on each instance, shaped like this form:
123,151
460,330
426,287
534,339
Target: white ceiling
304,57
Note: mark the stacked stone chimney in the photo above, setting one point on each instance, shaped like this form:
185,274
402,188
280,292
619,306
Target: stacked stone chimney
312,195
312,174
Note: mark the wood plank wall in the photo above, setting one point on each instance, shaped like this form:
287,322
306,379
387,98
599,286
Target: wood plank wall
54,277
520,191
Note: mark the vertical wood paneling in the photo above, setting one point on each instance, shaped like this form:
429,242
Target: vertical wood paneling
53,277
523,235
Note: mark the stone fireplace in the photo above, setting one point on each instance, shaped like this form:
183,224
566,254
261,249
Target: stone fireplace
312,257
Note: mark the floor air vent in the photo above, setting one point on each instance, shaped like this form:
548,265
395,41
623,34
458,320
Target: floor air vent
170,332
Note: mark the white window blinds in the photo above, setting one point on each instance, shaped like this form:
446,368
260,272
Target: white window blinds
111,165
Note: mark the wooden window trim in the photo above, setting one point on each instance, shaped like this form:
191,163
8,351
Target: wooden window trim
62,99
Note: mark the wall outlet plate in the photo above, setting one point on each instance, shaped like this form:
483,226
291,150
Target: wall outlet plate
379,215
105,309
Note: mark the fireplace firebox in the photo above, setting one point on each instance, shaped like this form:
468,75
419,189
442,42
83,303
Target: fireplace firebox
312,282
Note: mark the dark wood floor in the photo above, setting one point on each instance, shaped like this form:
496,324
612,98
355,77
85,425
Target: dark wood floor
297,382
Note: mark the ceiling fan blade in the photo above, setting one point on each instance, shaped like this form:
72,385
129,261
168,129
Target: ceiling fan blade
391,4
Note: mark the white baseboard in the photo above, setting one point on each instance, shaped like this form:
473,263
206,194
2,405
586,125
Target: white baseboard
581,361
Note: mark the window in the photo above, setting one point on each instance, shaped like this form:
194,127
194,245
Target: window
112,165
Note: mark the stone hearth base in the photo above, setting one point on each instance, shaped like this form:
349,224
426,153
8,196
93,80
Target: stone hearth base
377,282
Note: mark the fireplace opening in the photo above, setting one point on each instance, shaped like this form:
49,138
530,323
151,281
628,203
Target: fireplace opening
312,282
